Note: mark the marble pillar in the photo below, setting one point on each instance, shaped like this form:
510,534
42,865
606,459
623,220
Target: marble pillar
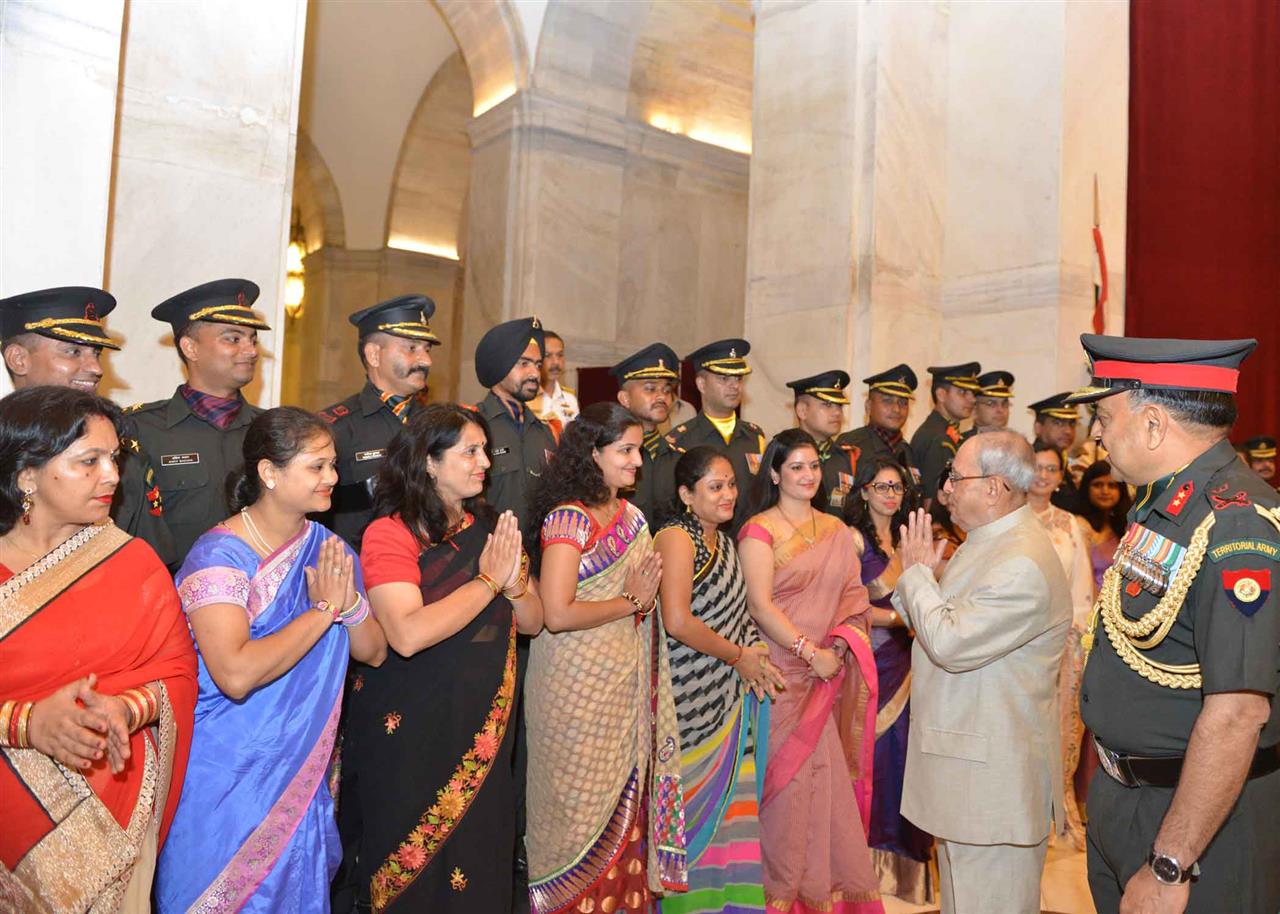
204,160
612,232
921,189
59,67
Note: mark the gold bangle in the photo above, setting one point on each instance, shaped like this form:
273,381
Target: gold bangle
132,709
6,718
517,596
634,601
489,582
24,723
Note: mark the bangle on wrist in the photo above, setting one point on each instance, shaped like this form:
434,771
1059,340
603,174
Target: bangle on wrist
356,613
143,705
736,660
490,583
15,717
798,645
634,601
324,606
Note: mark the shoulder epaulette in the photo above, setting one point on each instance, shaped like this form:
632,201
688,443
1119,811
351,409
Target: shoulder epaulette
568,390
144,407
671,441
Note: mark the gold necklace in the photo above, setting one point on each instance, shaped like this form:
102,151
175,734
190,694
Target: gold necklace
813,520
255,538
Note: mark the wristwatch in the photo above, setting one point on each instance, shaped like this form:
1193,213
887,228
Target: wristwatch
1169,871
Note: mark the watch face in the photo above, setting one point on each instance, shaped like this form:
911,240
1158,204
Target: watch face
1166,869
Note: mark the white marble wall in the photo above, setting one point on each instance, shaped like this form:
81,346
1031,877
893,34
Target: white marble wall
613,232
203,171
59,65
922,189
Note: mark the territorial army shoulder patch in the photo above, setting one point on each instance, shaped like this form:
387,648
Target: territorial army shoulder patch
954,434
753,463
1266,548
1247,589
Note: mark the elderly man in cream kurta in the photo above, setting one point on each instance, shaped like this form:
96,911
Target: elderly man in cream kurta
984,768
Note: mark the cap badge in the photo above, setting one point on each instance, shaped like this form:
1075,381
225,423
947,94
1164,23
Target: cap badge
240,299
90,312
733,352
536,325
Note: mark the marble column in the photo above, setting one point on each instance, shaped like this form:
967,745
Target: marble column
203,173
612,232
58,75
844,241
921,189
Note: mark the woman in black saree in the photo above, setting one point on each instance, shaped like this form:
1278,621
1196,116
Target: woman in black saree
430,732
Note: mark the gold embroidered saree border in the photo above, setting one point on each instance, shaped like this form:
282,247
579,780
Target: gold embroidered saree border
38,585
86,832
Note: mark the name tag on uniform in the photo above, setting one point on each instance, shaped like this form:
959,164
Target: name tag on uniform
499,451
178,460
370,455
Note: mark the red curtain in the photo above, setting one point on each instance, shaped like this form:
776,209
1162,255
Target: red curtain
1203,246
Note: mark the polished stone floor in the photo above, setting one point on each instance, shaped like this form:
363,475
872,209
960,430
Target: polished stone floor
1064,889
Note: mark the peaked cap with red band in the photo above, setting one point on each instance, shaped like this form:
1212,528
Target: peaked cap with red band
1131,363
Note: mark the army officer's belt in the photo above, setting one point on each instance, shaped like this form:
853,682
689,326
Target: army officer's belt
1140,771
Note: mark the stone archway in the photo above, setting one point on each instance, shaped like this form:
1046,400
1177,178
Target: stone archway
493,45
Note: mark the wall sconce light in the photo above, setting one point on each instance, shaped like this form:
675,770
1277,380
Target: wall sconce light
295,286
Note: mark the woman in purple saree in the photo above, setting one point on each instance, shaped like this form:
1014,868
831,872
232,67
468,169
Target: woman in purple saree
277,607
805,592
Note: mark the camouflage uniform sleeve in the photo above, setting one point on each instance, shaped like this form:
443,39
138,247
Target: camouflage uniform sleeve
1237,621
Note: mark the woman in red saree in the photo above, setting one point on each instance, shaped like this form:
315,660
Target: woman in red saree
97,669
805,592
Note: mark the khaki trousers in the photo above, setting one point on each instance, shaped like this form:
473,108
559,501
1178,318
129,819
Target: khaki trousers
990,878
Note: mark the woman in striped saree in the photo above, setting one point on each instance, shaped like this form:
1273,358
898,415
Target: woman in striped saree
605,821
720,671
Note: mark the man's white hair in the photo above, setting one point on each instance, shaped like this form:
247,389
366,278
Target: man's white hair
1008,455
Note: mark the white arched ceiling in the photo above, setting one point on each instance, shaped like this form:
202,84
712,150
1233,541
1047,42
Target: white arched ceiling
491,37
365,69
430,190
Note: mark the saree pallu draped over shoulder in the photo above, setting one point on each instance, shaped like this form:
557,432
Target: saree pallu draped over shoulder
255,829
816,805
75,841
428,751
604,790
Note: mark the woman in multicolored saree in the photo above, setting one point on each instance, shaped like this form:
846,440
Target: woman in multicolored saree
605,821
429,735
720,672
276,606
805,592
883,501
94,737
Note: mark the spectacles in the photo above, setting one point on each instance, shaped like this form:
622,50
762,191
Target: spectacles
953,478
886,488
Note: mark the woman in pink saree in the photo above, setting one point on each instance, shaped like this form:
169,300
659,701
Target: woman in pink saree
805,592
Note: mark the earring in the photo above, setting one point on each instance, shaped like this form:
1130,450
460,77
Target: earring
27,504
689,508
271,485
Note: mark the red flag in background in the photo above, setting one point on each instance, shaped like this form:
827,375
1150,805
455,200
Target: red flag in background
1100,280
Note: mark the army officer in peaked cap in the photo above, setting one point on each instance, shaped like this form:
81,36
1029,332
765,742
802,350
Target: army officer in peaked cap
819,406
394,343
647,387
721,372
508,363
1260,453
195,439
56,337
991,405
1183,654
954,389
1056,423
889,396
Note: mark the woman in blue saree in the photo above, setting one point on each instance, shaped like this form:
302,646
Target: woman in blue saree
276,605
